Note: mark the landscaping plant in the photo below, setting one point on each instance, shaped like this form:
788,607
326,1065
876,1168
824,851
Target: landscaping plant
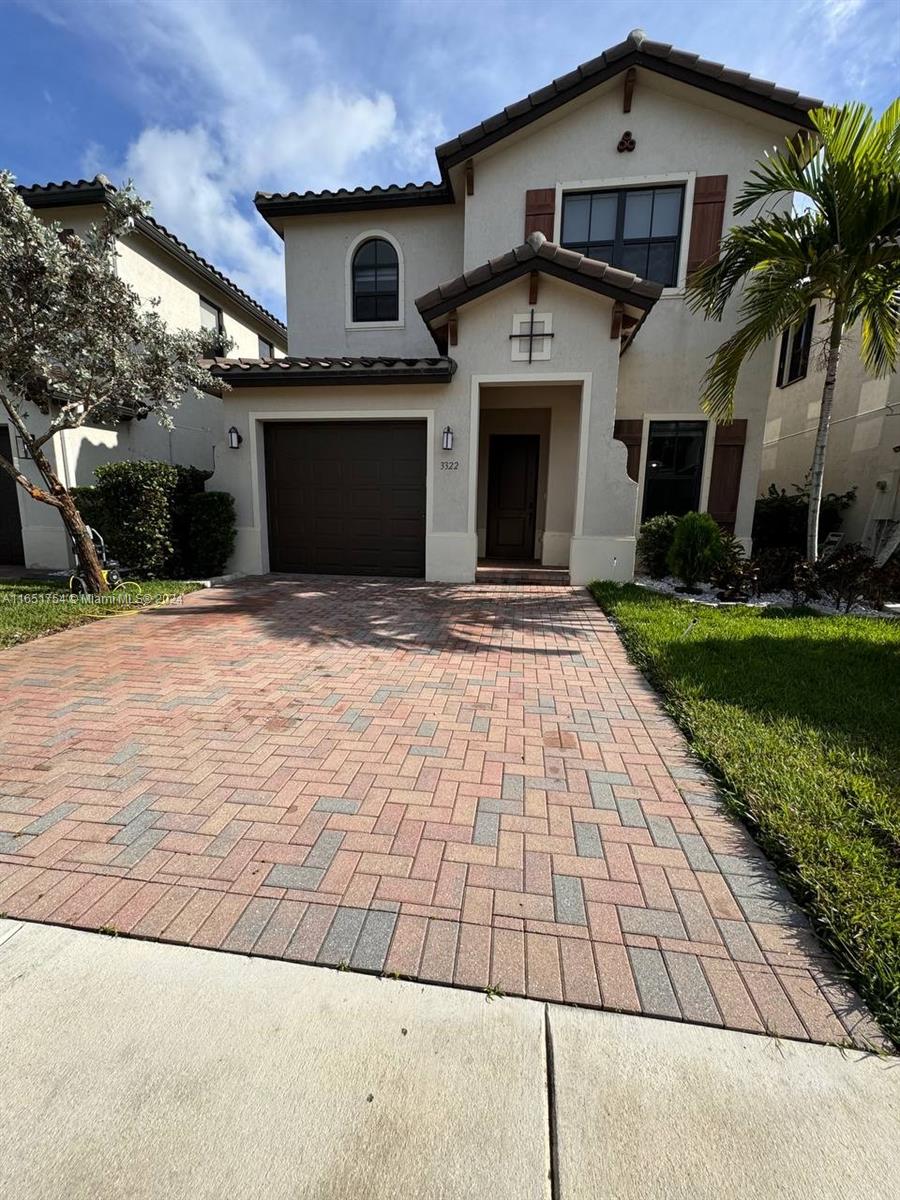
780,518
730,571
845,576
837,249
77,346
696,549
212,532
654,543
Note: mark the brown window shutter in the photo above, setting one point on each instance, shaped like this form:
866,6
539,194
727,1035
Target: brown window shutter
631,433
725,477
540,208
707,220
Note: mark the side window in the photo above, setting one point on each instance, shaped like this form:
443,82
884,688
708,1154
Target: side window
211,317
674,470
266,349
375,280
793,357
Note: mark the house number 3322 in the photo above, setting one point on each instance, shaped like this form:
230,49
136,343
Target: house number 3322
450,466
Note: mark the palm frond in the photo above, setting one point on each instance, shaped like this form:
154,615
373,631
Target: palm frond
784,243
880,341
768,306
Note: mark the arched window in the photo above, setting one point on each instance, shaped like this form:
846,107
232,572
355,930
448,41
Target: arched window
376,282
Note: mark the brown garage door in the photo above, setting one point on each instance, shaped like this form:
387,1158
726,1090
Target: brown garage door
346,497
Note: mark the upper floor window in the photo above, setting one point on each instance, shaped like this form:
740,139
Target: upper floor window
376,282
793,358
636,229
266,349
212,317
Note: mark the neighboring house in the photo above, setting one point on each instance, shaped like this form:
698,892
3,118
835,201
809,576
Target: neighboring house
192,295
539,402
864,442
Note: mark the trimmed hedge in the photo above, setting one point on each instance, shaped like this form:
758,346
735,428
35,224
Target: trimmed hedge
136,499
157,520
654,543
212,531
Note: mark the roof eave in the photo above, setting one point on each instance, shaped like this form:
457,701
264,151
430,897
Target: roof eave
456,151
525,267
274,209
272,377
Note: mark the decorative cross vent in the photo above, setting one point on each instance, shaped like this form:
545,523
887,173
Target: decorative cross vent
530,336
626,142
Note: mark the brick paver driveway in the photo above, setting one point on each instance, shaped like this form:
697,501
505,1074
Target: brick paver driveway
457,784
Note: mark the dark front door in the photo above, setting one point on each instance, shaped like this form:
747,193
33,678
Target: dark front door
10,522
347,497
512,494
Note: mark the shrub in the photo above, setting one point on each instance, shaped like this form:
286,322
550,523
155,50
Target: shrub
776,568
654,543
696,548
779,519
212,532
153,519
805,584
846,576
89,502
189,482
884,583
135,499
730,571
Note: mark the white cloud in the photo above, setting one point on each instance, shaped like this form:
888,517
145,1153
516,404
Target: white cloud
837,16
227,115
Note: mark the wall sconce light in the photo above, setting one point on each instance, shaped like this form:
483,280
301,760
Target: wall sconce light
447,439
234,439
21,449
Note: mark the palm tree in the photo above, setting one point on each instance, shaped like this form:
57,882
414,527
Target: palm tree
841,246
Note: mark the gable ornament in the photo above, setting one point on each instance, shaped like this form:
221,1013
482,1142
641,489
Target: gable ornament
626,142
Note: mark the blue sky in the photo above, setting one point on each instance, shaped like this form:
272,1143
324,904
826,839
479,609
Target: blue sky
202,102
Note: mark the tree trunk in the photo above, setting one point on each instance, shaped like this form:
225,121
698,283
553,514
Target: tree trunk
817,472
89,563
58,497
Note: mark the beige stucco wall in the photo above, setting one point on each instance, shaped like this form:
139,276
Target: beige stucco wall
317,252
155,275
680,134
590,500
864,431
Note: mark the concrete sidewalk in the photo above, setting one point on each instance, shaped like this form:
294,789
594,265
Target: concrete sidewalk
139,1070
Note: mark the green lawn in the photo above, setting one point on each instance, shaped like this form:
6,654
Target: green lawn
799,717
30,609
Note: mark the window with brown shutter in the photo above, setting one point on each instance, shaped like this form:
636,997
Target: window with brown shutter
631,433
707,220
725,477
540,209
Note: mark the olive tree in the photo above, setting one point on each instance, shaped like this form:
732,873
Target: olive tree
78,345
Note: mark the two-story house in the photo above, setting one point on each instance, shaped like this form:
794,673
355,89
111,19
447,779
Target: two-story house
863,442
192,294
501,365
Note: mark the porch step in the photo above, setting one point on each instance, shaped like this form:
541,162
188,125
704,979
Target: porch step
499,575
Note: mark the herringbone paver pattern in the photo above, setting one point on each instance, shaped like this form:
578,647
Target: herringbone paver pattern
468,785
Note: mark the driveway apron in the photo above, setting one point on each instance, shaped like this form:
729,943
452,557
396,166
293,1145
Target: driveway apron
459,784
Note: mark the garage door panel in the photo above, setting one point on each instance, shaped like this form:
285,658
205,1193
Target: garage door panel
347,497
